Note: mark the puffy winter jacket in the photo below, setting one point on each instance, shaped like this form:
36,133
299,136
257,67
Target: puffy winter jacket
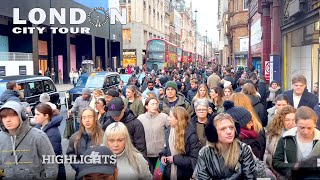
211,165
165,105
135,129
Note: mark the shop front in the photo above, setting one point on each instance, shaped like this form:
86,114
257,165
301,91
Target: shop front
241,60
129,58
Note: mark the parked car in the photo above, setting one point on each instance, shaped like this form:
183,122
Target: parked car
32,87
125,78
102,80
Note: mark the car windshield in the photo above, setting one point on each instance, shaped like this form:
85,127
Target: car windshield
3,87
125,78
92,81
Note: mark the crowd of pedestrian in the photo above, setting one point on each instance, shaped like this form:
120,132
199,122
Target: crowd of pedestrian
195,123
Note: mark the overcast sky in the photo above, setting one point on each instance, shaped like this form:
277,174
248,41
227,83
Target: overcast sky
206,17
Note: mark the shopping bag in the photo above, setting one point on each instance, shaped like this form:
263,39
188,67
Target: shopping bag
158,171
69,130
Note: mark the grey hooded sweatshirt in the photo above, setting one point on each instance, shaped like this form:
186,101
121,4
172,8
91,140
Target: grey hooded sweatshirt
21,154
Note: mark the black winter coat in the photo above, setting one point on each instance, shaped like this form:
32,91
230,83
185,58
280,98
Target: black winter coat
191,94
307,99
194,121
83,145
257,145
260,109
53,133
185,162
211,165
262,89
135,128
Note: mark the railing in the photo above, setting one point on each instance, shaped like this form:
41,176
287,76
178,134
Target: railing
15,56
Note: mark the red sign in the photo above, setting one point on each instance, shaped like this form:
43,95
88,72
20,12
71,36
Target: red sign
267,70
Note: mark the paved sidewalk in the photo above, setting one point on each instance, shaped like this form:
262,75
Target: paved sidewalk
63,87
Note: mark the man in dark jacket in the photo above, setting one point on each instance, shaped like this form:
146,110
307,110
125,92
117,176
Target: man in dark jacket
262,87
299,95
117,112
12,92
228,77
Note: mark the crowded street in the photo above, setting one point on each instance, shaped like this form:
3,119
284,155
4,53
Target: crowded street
159,89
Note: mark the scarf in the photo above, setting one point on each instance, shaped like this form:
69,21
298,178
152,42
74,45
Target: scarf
172,141
247,134
272,95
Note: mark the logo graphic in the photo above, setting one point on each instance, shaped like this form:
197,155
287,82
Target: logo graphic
113,107
98,21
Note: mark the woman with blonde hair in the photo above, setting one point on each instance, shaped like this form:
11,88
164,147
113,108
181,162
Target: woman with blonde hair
249,90
130,161
252,132
202,93
224,157
182,146
97,94
282,122
89,134
132,101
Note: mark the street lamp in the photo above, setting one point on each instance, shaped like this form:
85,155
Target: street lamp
195,41
51,49
205,47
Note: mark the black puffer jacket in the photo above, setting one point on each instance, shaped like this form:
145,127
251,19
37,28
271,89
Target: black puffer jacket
135,128
185,162
260,109
211,166
83,144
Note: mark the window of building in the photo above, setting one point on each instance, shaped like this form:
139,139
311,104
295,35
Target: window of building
150,35
145,36
144,4
236,5
245,4
126,35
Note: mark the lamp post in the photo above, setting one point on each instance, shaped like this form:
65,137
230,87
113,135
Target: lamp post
205,46
109,47
51,55
195,36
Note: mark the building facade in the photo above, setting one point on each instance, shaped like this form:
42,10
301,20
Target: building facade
146,20
300,28
237,32
61,51
222,27
255,36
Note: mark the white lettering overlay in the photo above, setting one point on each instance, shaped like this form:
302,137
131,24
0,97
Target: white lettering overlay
84,159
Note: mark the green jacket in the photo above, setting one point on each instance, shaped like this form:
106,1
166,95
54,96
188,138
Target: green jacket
285,156
136,106
181,102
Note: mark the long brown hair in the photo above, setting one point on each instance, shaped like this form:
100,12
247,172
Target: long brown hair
183,117
276,125
220,93
240,99
249,89
97,133
230,155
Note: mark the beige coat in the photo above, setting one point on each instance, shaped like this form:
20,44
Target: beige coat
154,128
270,149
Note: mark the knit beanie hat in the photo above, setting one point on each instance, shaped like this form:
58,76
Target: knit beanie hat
86,91
238,113
171,84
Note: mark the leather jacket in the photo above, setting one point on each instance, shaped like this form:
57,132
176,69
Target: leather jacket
211,165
